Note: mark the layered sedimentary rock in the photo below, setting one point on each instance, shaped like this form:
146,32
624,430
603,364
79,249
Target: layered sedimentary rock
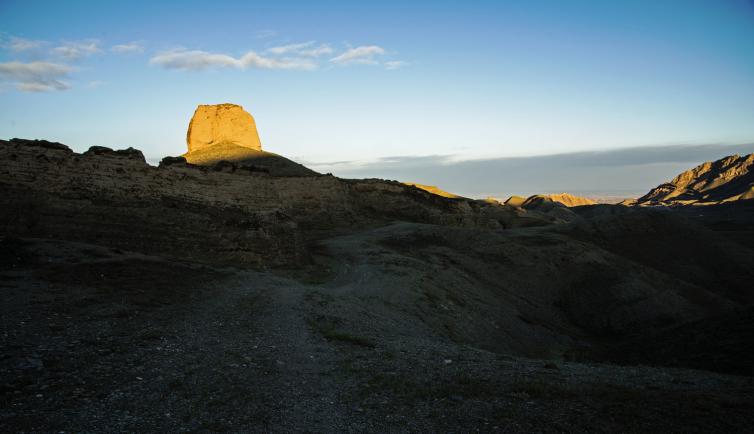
227,212
273,164
226,132
515,201
553,205
725,180
565,199
219,124
570,200
433,189
114,198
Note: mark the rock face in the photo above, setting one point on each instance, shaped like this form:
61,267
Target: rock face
226,132
227,212
570,200
725,180
433,189
548,206
565,199
515,201
222,124
553,205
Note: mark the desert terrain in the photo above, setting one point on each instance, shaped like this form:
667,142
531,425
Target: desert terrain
234,290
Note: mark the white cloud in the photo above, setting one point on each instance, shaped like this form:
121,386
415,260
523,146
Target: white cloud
193,60
320,50
35,76
305,49
131,47
77,50
303,56
364,54
283,49
21,44
199,60
395,64
253,60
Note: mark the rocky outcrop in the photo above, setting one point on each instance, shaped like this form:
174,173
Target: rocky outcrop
555,206
554,209
226,132
433,189
570,200
114,198
725,180
227,212
515,201
222,124
565,199
273,164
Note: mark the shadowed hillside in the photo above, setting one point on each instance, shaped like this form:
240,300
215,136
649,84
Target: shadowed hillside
235,295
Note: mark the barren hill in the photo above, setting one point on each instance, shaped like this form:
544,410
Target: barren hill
228,297
555,206
569,200
433,189
227,132
565,199
724,180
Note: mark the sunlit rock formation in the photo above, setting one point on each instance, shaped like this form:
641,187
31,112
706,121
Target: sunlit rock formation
219,124
515,201
565,199
433,189
570,200
554,205
725,180
227,133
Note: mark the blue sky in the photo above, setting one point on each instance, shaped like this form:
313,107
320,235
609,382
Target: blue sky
455,79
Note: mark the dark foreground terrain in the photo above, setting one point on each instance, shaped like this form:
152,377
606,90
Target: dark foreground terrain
102,340
180,298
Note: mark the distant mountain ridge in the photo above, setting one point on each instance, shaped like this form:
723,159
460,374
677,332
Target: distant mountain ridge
724,180
534,201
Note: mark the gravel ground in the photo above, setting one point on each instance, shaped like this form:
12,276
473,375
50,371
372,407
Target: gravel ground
100,340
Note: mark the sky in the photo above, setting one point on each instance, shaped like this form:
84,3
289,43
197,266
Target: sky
347,86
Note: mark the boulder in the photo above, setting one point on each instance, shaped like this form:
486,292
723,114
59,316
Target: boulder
227,124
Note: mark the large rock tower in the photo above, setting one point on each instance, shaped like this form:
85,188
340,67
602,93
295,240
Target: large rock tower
227,124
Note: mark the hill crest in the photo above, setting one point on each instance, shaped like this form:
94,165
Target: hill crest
725,180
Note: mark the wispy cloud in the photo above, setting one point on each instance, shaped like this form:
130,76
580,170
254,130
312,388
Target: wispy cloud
305,49
20,44
35,76
305,55
364,54
129,48
252,59
193,60
395,64
77,50
290,48
321,50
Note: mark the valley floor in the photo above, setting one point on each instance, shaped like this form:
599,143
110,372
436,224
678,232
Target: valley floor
101,340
